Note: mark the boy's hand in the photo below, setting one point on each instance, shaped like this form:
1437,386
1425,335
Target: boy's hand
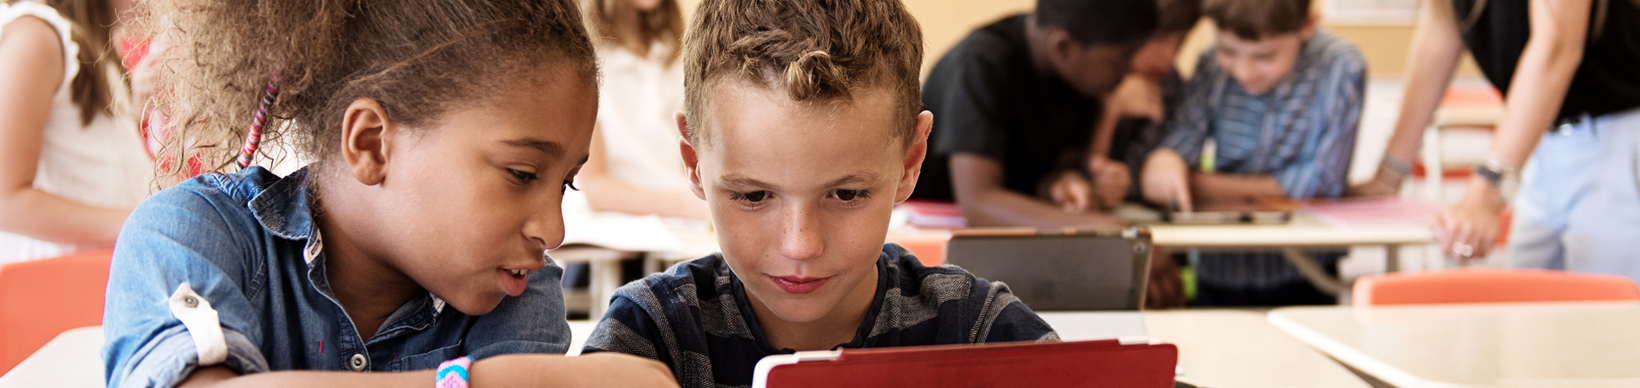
1111,181
1137,96
1166,179
1071,192
602,369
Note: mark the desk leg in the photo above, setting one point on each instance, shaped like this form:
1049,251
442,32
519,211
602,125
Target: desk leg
1306,266
1392,258
606,277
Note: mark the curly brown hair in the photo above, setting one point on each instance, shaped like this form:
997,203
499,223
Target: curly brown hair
417,58
817,50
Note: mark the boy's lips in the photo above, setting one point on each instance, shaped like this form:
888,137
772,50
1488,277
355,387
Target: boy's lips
798,285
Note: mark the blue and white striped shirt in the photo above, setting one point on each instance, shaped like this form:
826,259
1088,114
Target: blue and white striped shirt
1301,131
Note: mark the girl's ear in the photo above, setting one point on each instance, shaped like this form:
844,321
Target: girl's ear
365,128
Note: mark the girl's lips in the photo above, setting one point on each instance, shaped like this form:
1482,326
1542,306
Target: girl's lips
797,285
514,284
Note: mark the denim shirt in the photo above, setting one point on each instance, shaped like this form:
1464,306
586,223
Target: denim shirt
247,246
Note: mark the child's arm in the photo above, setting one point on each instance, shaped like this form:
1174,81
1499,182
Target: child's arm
513,370
31,71
1165,176
977,182
606,193
1323,164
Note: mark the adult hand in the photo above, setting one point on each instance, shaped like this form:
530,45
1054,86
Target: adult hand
1166,179
1071,192
1468,230
602,369
1111,180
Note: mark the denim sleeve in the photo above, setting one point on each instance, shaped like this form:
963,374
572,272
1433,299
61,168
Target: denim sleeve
529,323
181,235
1323,164
1192,122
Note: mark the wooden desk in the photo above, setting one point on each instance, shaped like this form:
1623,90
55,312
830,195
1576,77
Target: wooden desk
1587,344
1219,348
71,360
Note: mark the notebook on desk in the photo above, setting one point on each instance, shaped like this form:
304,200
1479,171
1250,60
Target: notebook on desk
1132,362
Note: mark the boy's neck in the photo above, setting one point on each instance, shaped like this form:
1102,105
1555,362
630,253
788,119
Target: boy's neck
836,328
1036,45
368,289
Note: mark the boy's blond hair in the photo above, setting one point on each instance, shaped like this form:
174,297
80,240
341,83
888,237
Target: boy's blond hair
817,50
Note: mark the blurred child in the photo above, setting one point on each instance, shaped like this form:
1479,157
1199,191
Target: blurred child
634,165
1281,100
443,134
803,130
71,162
1017,102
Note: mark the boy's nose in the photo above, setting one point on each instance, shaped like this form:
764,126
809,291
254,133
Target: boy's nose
800,237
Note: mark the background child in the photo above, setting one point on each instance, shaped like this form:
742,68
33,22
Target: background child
1281,100
634,165
443,135
71,162
1017,101
803,132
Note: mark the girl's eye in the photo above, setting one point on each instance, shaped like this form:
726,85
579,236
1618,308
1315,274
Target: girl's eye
523,177
751,197
569,185
850,195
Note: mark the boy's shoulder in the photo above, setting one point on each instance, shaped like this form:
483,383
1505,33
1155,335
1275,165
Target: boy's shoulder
1326,49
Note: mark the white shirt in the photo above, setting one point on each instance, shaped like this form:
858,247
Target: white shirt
101,164
636,108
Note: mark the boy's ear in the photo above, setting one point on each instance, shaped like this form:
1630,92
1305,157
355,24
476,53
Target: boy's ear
914,156
691,161
365,133
1309,27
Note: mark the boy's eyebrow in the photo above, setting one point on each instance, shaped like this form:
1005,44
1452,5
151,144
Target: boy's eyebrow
858,177
552,149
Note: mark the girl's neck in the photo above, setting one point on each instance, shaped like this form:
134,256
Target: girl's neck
368,288
628,30
836,328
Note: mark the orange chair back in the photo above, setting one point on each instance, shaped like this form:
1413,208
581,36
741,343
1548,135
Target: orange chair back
42,298
1482,286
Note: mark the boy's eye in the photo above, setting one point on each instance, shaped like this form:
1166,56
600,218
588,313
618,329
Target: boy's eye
752,197
850,195
522,176
568,185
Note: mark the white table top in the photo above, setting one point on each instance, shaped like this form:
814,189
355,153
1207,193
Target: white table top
70,360
1218,348
1303,231
1587,344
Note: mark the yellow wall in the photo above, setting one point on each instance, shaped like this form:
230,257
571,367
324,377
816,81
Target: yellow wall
945,22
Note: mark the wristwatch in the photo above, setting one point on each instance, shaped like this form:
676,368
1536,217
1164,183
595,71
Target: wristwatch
1505,179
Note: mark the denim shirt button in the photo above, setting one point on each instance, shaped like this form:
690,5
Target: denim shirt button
357,362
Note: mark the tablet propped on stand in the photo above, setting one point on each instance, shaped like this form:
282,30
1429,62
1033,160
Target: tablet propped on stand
1255,211
1128,362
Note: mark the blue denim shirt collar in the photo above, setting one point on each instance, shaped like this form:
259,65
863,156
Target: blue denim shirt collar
285,209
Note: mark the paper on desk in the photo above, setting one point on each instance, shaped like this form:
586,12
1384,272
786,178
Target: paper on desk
618,231
1372,211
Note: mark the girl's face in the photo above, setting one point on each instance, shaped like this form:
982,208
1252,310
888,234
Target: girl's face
478,191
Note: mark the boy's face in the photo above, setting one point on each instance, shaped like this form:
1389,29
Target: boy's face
1093,70
1257,65
1157,56
801,192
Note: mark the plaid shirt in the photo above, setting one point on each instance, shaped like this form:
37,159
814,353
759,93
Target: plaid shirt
1301,131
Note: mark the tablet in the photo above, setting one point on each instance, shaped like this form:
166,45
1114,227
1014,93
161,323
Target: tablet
1059,269
1121,363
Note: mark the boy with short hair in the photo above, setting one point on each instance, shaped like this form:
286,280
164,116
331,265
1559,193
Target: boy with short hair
802,130
1017,102
1281,100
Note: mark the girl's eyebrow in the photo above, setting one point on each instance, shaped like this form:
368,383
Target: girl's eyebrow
551,148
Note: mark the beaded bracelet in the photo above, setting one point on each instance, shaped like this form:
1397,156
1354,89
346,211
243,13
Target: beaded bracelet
453,373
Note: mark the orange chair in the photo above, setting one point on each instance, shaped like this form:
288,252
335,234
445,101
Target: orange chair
930,250
1491,285
42,298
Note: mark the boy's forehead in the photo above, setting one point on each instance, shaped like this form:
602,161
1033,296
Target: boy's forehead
751,108
762,133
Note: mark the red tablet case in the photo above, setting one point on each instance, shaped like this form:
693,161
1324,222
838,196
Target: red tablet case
1104,363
